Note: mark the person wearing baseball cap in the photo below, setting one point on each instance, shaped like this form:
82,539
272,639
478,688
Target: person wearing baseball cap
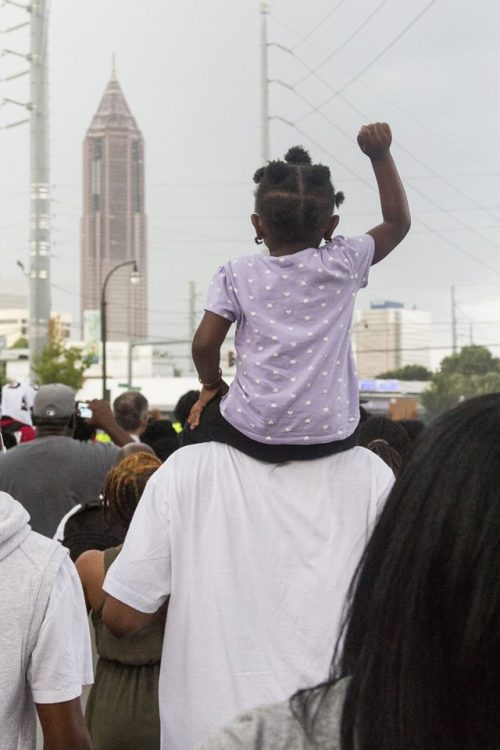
53,473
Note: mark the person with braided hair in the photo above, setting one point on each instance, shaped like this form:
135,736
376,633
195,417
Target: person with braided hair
122,709
295,394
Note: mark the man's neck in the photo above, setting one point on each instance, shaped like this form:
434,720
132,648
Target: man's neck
52,431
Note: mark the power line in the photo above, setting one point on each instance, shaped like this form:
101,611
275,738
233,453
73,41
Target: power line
319,24
383,95
372,187
424,125
417,159
373,61
346,41
445,347
402,147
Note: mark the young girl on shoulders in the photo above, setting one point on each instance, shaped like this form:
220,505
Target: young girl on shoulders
295,389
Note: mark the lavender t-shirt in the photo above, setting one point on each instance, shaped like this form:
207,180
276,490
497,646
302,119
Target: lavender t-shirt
295,373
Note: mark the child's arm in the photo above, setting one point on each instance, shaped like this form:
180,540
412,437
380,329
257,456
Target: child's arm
375,141
207,342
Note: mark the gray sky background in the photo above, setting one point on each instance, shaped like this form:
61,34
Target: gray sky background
190,73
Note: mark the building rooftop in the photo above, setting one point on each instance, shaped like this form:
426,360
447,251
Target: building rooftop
113,111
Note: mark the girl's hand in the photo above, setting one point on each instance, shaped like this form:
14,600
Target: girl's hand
375,140
206,395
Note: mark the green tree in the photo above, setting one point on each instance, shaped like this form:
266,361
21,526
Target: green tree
471,360
408,372
20,343
58,363
470,372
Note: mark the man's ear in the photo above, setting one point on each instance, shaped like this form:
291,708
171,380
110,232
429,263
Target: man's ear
255,219
331,227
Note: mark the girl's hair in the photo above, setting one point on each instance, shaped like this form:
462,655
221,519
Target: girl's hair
421,642
295,197
125,484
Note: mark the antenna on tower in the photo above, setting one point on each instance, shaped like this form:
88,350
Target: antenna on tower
113,67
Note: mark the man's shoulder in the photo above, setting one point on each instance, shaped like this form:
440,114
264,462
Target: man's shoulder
96,445
36,445
364,461
356,464
41,551
18,455
196,452
87,450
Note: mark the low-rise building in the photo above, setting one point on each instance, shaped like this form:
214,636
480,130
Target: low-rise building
389,336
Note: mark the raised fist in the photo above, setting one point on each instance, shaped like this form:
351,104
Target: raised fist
375,140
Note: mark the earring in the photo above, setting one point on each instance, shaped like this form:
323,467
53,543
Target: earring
258,240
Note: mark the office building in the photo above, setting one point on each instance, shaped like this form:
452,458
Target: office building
114,222
389,336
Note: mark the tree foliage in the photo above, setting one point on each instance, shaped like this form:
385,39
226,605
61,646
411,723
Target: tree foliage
58,363
470,372
408,372
20,343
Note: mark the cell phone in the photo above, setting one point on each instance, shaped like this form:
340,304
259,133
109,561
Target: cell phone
83,410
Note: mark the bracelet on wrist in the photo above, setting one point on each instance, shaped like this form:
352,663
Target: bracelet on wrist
215,384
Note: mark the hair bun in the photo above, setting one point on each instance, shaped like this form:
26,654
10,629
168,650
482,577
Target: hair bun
297,155
319,175
276,172
339,198
259,174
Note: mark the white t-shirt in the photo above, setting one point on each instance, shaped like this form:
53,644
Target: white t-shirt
257,558
61,662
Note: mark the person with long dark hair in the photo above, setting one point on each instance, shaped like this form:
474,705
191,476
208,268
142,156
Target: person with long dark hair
417,664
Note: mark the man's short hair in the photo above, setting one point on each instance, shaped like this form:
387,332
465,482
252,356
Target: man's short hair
131,410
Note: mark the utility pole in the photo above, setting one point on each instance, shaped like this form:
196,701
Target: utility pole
264,83
39,274
39,241
192,317
453,321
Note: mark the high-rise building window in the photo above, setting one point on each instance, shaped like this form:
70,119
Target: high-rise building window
136,150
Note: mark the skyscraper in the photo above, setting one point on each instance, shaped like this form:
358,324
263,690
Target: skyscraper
113,226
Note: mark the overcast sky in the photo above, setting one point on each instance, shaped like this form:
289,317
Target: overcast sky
190,73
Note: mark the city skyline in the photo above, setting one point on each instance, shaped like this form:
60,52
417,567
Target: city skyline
192,72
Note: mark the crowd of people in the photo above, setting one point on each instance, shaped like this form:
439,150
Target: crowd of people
276,568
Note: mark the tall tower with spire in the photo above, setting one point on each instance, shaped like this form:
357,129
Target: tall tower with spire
114,221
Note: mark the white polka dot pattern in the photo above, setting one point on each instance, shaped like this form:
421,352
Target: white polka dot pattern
298,360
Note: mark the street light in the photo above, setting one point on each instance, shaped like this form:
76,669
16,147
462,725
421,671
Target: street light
134,279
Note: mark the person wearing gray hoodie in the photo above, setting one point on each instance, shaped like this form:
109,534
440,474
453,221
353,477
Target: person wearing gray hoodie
45,655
